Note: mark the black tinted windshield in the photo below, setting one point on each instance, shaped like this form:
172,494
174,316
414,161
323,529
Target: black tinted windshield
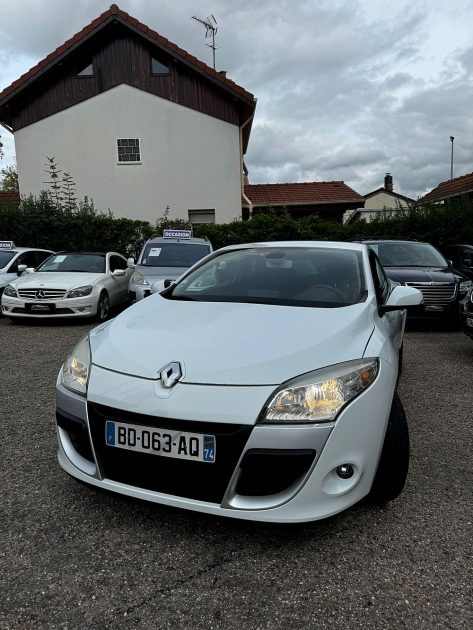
408,255
173,254
5,258
86,263
284,276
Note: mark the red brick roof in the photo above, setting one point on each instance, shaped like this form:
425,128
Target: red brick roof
451,188
9,197
115,13
305,193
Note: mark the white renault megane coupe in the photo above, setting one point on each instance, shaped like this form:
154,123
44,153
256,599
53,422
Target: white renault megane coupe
261,385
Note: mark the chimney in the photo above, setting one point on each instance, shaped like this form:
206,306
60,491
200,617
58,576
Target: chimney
223,73
388,182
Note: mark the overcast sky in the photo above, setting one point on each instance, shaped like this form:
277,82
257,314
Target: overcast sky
347,89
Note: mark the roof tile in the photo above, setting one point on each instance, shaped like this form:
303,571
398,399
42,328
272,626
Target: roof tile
451,188
306,192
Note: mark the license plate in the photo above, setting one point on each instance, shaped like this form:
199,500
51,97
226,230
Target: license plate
469,321
40,307
177,444
435,307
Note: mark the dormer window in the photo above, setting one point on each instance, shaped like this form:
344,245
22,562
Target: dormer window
88,71
158,67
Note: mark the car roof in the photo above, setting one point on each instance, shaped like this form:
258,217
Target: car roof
19,250
86,253
161,239
350,246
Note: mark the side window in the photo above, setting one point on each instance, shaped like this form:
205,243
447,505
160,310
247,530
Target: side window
381,283
26,258
117,263
41,256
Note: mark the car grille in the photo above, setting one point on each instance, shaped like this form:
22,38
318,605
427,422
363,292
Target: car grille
195,480
436,293
41,294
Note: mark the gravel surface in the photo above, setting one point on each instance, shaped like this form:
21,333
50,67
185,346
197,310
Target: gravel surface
73,557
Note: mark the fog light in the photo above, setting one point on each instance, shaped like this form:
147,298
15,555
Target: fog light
345,471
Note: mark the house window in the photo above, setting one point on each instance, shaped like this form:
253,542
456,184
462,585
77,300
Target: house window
88,71
201,217
158,67
128,150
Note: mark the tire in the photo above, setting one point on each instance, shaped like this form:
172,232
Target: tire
393,464
103,307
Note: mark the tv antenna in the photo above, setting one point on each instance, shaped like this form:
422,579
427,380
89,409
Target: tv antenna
211,28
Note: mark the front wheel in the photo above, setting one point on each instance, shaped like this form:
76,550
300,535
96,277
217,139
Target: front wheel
103,307
393,464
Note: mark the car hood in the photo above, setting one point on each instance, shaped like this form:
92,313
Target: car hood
57,280
161,273
421,274
230,343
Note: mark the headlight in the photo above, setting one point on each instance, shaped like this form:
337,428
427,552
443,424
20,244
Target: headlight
319,396
9,291
76,368
465,286
138,278
80,292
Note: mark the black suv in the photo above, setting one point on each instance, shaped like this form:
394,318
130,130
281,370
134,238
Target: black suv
462,259
420,265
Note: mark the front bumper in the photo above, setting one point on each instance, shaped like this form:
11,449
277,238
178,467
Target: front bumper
137,292
308,490
47,309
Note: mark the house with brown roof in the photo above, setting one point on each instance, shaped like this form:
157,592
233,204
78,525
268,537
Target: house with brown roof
452,190
10,198
328,200
378,201
140,124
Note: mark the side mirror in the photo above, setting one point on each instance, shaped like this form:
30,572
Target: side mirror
130,263
21,269
158,286
468,263
119,273
401,298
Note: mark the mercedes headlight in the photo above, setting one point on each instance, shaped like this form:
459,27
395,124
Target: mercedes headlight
465,286
319,396
138,278
9,291
80,292
76,369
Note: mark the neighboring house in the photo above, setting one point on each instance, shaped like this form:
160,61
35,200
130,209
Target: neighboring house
139,123
9,198
329,200
378,201
451,190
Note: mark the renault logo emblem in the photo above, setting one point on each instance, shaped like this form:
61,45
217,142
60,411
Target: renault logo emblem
170,374
40,295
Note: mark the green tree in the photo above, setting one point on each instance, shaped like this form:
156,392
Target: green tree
9,178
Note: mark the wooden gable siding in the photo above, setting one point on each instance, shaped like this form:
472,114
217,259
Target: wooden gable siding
118,57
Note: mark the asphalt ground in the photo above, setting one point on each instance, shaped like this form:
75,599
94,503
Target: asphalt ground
73,557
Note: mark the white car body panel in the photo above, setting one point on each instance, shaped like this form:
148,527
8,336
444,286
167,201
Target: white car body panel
144,341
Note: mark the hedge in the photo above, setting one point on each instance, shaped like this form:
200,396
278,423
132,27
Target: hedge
39,222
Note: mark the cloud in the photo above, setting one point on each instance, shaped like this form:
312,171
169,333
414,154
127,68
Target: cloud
347,89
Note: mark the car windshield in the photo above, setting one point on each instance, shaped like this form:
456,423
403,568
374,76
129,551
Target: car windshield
163,254
302,276
85,263
5,258
408,255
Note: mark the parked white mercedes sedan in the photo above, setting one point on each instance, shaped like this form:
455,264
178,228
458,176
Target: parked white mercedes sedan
261,385
69,284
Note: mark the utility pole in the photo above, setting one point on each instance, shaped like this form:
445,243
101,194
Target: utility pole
211,28
452,138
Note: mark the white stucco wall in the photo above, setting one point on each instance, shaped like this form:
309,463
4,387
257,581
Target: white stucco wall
383,200
189,160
